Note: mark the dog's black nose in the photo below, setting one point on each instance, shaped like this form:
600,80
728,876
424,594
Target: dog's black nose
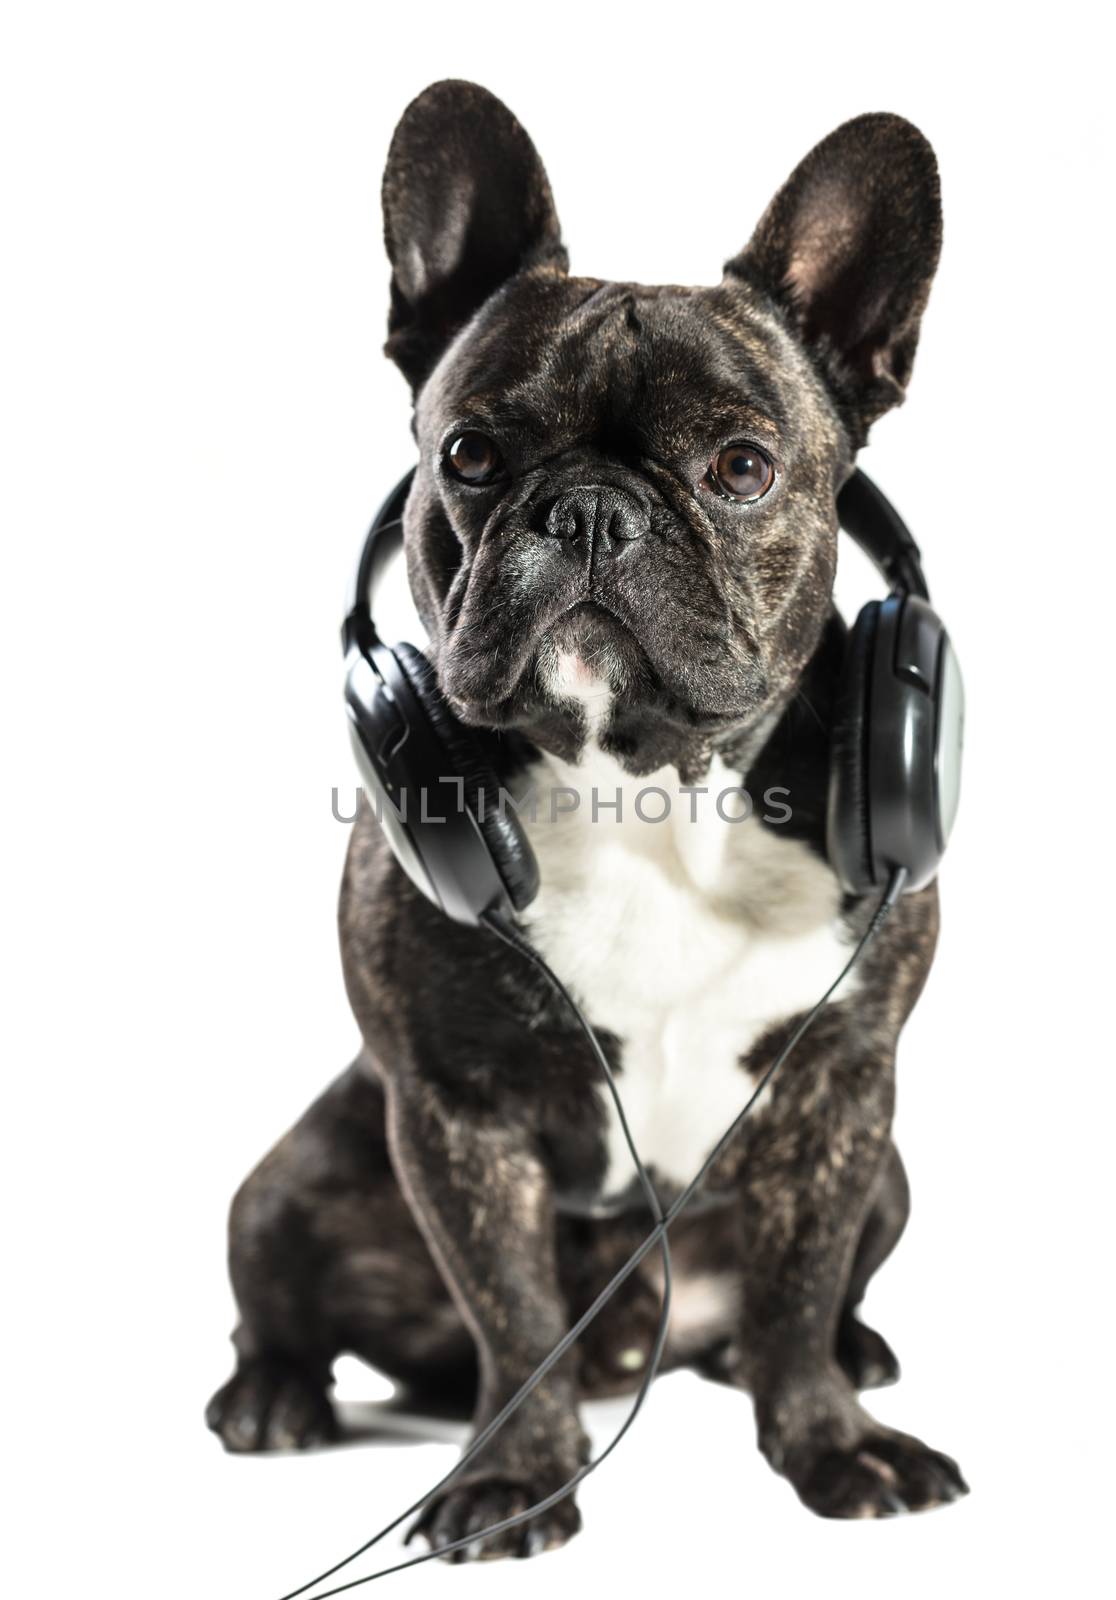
597,512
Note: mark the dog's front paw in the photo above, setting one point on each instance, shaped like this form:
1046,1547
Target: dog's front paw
271,1405
884,1473
462,1511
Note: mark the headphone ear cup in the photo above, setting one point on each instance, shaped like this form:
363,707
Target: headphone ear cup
466,759
848,819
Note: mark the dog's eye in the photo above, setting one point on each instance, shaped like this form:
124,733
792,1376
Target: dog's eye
742,472
473,458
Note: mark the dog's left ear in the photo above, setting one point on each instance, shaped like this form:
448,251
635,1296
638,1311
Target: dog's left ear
849,247
466,206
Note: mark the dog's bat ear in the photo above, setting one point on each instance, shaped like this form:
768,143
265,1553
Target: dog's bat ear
848,247
466,206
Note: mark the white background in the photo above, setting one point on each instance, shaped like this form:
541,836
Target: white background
197,422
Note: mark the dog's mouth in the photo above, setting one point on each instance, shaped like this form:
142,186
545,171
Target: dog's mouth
589,651
589,664
532,636
584,651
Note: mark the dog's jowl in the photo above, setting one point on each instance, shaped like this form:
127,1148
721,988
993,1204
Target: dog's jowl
621,538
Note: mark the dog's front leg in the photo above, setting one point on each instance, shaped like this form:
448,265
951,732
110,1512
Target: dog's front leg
483,1199
807,1190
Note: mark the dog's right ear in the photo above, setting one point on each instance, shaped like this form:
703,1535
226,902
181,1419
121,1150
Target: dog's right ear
467,205
849,247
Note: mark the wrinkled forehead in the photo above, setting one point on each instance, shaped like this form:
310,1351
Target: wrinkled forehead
561,361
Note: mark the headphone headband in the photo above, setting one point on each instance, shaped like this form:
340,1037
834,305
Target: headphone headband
358,626
870,519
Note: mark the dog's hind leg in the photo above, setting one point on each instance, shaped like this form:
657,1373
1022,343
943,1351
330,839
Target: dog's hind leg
325,1258
864,1354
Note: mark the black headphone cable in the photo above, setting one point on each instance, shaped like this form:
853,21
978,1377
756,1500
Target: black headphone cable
510,936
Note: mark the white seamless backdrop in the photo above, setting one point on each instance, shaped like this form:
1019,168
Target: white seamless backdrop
196,423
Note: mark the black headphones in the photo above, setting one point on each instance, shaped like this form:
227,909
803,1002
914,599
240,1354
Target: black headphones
895,761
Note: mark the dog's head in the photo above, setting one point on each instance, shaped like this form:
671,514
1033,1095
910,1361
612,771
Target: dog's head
627,487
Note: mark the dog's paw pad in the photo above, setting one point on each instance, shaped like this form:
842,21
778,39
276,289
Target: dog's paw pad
270,1405
463,1513
884,1475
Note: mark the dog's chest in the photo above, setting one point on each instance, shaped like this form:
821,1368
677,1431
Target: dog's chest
687,938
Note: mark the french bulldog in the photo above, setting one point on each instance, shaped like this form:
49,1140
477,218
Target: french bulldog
621,540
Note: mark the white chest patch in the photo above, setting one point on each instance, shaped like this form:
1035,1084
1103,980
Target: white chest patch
687,937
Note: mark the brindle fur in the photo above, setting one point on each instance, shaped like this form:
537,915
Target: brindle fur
416,1215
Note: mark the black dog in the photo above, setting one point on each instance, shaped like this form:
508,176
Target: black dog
621,539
